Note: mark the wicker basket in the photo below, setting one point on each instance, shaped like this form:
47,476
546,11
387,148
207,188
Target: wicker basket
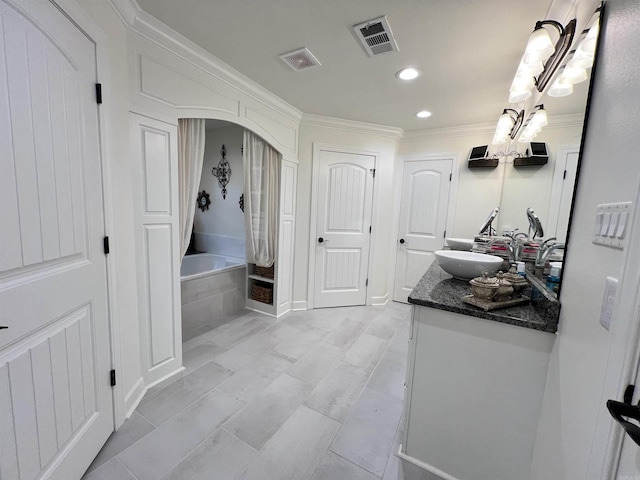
266,272
262,292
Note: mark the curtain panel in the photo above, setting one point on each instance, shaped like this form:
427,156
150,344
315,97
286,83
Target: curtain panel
262,190
191,140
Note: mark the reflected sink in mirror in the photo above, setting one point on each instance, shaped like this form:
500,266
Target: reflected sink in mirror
467,265
464,244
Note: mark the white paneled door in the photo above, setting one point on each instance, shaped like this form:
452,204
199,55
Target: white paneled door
56,408
423,218
344,204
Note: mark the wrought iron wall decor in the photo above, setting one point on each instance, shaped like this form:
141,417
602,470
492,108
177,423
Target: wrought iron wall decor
241,202
222,172
203,201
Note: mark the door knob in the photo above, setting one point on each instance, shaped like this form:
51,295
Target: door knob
321,240
402,240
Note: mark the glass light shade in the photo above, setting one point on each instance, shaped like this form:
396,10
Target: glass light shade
532,70
516,97
423,114
505,122
539,119
572,76
499,140
580,60
521,83
539,48
588,44
559,89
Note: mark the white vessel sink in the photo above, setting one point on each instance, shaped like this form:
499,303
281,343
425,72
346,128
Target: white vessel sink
467,265
464,244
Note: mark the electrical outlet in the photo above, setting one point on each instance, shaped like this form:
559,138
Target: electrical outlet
608,301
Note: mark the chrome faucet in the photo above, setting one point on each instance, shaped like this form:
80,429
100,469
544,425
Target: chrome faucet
545,250
514,247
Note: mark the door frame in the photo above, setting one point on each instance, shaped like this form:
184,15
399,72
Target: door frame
86,24
557,184
397,200
315,170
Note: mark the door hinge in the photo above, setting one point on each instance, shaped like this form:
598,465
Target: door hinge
105,243
373,172
98,93
113,378
564,175
450,176
444,235
369,228
366,283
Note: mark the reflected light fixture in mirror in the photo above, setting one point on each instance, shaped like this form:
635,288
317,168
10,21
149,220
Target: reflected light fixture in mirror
537,119
423,114
508,125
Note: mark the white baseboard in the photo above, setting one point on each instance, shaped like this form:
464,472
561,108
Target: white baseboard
299,305
380,301
134,397
425,466
138,392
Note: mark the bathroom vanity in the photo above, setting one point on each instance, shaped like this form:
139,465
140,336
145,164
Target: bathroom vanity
475,381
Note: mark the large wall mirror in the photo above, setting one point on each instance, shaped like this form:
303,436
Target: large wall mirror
549,189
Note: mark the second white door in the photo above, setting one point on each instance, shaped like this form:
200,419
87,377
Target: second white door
423,216
343,226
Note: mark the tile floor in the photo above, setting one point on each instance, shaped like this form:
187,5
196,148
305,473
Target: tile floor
313,395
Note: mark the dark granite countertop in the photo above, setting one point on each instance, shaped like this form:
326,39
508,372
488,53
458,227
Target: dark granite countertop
437,289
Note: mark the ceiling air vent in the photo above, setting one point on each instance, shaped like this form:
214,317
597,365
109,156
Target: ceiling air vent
376,37
300,59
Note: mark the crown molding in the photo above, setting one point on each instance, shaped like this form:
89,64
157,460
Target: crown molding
449,132
309,119
153,30
564,121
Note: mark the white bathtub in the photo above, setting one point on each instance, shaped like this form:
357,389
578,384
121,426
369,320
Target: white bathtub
201,264
213,291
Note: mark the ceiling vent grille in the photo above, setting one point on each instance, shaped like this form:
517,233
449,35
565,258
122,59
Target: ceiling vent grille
376,37
300,59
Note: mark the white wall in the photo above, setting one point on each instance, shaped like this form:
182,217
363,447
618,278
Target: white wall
356,136
609,173
224,216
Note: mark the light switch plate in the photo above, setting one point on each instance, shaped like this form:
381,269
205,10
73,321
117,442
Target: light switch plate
610,224
606,311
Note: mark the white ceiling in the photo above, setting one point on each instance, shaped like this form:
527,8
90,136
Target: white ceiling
468,51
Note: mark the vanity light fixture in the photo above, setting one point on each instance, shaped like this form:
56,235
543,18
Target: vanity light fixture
537,119
409,73
423,114
508,125
541,59
575,70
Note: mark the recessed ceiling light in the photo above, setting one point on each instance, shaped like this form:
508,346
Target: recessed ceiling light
423,114
408,73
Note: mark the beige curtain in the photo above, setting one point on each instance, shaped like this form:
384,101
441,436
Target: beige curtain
191,136
261,192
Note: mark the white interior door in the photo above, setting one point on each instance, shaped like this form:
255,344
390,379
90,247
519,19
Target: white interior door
564,180
345,196
56,407
423,218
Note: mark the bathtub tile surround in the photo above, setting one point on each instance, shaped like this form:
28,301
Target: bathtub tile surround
212,300
221,244
332,419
